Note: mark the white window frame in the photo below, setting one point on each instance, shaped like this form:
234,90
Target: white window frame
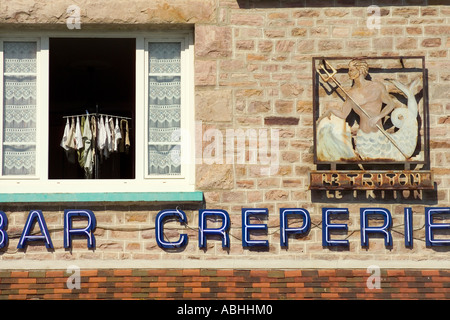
185,182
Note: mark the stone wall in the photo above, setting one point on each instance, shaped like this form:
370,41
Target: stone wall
253,70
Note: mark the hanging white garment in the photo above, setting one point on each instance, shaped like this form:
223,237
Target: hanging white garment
112,134
101,136
63,143
107,138
118,136
78,135
88,159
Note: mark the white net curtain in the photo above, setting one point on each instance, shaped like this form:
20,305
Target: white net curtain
19,108
164,108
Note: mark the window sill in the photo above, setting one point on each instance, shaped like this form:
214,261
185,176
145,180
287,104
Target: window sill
195,196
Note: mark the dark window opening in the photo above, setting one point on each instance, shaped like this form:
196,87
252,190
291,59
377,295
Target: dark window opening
97,75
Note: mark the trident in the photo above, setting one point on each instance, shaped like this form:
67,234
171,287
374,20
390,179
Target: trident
330,76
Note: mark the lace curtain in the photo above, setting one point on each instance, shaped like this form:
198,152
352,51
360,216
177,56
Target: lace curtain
164,113
19,108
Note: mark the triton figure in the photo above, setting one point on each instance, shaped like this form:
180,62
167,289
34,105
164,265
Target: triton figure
372,142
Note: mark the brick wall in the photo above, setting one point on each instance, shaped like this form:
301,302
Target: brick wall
224,284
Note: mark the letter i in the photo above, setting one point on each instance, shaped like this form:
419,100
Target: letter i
408,228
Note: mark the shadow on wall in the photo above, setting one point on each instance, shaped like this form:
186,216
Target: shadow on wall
258,4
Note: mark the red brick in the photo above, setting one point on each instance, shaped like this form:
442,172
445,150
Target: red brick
224,273
395,273
258,273
327,273
54,274
19,274
293,273
191,272
430,272
88,273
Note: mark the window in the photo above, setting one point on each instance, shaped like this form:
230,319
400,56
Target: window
147,78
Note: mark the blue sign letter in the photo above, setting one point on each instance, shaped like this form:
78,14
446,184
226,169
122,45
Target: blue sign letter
246,227
35,215
384,229
222,231
326,226
408,228
430,226
284,230
159,229
88,231
3,234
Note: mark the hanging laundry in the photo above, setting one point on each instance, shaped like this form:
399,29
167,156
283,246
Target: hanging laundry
94,135
78,136
101,137
112,134
70,142
125,142
87,159
93,139
118,136
127,137
108,145
80,151
65,136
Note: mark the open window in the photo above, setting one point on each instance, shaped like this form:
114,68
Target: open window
91,76
145,78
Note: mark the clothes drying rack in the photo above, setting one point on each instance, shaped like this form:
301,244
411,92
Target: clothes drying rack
96,115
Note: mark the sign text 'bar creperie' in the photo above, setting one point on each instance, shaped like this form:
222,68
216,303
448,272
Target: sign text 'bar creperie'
436,231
